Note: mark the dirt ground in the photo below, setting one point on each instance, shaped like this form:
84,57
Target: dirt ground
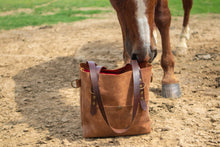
38,106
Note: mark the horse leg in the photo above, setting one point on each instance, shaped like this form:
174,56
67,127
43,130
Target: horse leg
181,48
170,84
126,57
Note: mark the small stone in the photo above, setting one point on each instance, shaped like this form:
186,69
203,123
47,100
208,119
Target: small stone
218,82
40,142
49,138
27,100
48,126
64,119
25,130
202,57
53,97
217,106
195,33
165,129
18,110
190,113
177,72
212,120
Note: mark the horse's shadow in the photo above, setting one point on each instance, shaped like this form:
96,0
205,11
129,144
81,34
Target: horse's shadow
38,98
44,95
156,91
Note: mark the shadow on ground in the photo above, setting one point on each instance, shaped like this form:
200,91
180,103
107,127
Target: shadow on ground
39,100
38,91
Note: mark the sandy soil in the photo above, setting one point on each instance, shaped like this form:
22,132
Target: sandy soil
38,107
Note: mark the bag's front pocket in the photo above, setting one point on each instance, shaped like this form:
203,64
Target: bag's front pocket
119,117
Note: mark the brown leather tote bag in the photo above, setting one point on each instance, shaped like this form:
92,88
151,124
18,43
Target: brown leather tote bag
114,102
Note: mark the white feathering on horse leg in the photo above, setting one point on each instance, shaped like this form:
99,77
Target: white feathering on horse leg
185,33
182,43
181,48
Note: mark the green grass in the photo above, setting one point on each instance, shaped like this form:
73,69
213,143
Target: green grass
81,3
48,11
23,19
53,11
199,7
7,5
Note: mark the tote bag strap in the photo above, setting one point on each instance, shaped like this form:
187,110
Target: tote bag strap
94,75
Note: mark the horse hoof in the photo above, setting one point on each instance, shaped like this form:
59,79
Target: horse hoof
181,48
171,90
180,51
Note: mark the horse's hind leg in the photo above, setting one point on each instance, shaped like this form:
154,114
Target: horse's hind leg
181,48
170,84
187,6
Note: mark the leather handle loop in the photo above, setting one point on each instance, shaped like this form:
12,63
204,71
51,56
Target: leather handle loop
94,72
94,75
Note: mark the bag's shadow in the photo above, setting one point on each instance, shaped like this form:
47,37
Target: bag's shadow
44,95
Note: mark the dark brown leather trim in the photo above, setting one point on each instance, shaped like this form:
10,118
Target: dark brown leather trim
76,83
142,95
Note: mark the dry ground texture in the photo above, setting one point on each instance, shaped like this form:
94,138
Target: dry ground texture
38,107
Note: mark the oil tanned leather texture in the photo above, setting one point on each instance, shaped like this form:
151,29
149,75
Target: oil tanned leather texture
116,89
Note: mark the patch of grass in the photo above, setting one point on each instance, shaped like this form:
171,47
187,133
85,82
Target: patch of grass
80,3
61,5
23,19
7,5
28,20
54,11
199,7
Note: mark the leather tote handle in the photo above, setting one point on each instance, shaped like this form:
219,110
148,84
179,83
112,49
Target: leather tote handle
94,75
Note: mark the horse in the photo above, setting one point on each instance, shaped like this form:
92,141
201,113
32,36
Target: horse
138,19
